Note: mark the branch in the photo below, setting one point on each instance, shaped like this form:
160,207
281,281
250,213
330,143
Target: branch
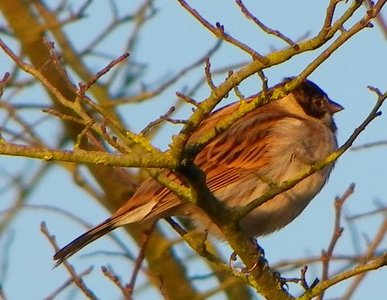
68,282
265,28
218,31
76,278
76,106
379,237
323,286
326,256
205,107
87,156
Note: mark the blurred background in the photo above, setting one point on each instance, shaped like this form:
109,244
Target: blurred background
168,42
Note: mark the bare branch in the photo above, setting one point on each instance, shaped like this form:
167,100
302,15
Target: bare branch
83,87
379,237
66,284
109,273
76,278
337,231
265,28
218,31
3,82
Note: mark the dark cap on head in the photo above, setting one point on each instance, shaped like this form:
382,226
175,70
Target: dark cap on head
313,100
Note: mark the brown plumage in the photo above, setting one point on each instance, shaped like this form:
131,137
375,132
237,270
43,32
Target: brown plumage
271,144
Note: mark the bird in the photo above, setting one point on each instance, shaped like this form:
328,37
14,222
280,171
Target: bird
269,145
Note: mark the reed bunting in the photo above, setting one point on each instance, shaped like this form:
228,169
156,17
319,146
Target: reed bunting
269,145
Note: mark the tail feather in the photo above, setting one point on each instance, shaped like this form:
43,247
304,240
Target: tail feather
83,240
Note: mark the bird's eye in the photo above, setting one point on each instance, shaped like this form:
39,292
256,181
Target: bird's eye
319,103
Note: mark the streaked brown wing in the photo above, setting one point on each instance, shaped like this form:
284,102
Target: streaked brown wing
242,149
232,155
235,152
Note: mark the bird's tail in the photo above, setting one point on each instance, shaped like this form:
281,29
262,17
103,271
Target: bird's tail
83,240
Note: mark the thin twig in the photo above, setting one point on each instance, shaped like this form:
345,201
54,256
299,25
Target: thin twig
329,16
207,71
76,278
337,231
381,210
83,87
122,245
66,284
62,116
6,254
379,237
187,99
3,82
369,145
109,273
265,28
344,36
199,246
157,122
218,31
324,285
140,258
264,80
379,18
150,94
292,264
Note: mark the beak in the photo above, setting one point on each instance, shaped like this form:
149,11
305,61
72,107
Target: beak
334,107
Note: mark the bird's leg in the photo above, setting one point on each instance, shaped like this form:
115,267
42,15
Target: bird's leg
260,259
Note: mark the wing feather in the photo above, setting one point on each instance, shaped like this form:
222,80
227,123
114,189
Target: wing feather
241,149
